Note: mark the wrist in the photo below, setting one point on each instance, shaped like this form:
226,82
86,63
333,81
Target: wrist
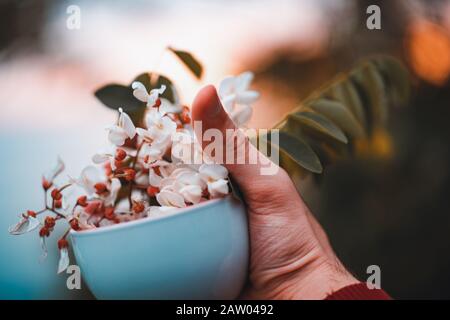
314,281
323,280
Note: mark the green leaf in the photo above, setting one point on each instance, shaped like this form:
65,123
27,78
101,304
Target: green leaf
189,61
340,115
354,103
371,81
345,92
153,81
296,150
318,124
117,96
397,79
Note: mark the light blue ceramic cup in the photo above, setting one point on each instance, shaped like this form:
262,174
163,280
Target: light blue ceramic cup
200,252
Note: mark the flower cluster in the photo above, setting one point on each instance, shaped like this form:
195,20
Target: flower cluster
237,98
143,172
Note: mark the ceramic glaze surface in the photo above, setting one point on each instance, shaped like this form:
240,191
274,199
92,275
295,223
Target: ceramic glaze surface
196,253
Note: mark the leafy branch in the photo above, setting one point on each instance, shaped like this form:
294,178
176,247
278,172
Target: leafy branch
341,116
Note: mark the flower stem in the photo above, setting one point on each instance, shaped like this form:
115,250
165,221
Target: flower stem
65,187
66,233
134,162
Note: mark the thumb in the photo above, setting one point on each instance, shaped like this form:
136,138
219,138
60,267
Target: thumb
244,162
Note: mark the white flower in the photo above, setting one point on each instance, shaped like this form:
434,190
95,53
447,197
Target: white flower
191,193
55,171
159,128
215,177
186,149
188,176
165,169
151,153
69,201
184,182
44,253
168,107
124,129
169,198
63,259
142,179
89,177
114,189
105,155
157,210
218,188
83,220
241,115
154,179
26,224
140,93
233,92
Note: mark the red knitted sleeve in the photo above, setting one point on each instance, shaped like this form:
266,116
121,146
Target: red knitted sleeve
359,291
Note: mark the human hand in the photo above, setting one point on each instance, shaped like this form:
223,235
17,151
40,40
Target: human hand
291,257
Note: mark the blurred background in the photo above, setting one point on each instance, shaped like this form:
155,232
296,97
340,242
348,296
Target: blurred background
389,208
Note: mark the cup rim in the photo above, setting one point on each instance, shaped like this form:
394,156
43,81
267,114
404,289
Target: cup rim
130,224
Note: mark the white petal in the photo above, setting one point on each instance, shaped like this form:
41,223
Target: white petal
154,95
170,199
213,172
185,148
67,204
191,193
218,188
243,81
156,210
167,183
117,135
228,102
169,126
34,223
159,90
145,134
44,250
226,86
151,99
162,163
247,97
63,260
165,168
139,91
154,179
24,225
112,163
113,192
167,107
180,170
20,227
55,171
242,116
101,158
89,177
127,125
142,179
152,153
153,117
191,178
83,221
